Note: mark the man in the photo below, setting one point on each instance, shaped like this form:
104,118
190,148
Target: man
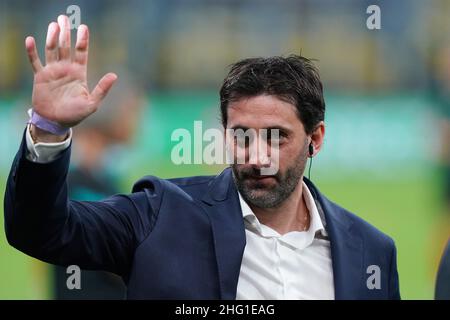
439,95
238,235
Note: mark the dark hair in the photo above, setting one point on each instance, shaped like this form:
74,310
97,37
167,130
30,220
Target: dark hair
294,79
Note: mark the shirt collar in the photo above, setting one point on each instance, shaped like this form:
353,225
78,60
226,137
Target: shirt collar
316,224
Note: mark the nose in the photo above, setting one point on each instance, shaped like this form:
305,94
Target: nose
258,153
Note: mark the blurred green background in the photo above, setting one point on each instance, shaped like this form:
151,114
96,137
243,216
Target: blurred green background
385,90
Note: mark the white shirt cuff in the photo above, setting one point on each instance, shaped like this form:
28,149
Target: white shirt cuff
44,152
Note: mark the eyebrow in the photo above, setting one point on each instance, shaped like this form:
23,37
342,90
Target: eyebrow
281,128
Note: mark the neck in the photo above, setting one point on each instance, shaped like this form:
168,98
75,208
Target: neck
291,215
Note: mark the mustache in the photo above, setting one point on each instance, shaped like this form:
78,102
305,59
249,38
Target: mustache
254,172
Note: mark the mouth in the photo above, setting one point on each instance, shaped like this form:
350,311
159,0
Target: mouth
260,179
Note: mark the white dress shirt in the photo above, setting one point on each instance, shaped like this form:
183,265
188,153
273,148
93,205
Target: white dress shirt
42,152
296,265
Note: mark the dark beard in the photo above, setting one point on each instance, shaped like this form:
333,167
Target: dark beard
272,196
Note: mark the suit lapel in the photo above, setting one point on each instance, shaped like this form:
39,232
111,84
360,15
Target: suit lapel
347,250
228,231
222,206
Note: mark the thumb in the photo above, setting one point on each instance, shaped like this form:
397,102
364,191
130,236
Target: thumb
102,88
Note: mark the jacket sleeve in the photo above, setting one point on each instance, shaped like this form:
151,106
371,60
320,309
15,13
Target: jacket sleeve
394,289
42,222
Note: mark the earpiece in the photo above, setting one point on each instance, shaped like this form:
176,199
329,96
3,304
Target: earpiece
311,149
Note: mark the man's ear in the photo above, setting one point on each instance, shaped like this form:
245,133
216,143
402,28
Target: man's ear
317,138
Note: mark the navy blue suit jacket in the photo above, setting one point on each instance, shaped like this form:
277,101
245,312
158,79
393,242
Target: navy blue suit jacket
442,290
172,239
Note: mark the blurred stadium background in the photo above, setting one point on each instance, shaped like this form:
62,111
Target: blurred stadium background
387,108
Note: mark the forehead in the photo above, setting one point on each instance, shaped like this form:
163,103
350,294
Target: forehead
263,111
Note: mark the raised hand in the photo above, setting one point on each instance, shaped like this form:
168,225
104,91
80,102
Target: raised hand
60,90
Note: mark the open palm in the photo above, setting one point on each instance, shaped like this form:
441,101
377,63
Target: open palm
60,90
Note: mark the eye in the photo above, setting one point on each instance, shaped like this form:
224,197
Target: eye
243,140
276,135
240,141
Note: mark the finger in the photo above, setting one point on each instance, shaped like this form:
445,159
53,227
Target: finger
82,45
33,56
102,87
64,38
51,44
